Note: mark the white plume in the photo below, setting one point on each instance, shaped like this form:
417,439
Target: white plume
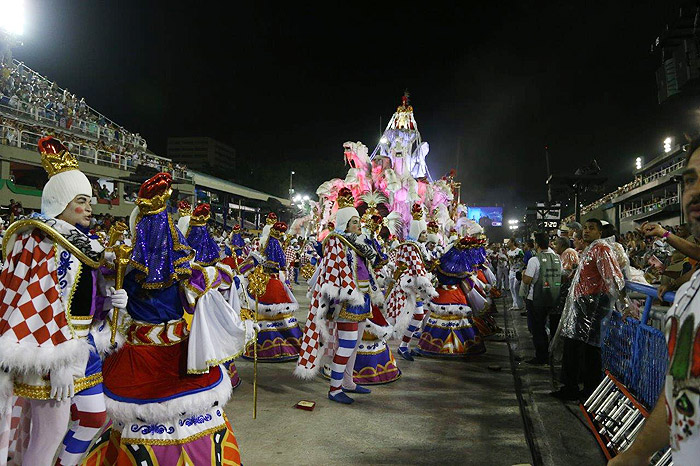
374,198
393,222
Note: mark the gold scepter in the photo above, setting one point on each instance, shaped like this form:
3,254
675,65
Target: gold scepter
123,255
257,284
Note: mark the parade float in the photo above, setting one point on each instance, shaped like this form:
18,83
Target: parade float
397,170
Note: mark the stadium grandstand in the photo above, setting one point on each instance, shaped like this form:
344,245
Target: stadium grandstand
653,195
115,159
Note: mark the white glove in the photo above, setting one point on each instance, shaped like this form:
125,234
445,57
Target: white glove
109,256
61,384
118,298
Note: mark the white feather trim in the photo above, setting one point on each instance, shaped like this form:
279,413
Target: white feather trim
383,333
274,309
6,389
421,286
23,358
450,309
353,297
102,333
322,327
195,403
404,318
306,373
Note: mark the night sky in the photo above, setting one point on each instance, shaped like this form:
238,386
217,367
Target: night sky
490,86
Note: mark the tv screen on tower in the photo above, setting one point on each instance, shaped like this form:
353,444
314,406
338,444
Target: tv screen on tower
486,216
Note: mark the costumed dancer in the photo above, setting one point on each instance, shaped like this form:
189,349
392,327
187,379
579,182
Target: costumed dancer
412,284
449,331
340,302
165,387
310,257
270,220
194,228
279,338
241,250
47,302
433,246
374,363
237,245
479,285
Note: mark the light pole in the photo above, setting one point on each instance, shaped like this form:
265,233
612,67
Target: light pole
291,189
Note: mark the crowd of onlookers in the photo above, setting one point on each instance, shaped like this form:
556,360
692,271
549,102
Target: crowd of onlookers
100,152
24,90
33,107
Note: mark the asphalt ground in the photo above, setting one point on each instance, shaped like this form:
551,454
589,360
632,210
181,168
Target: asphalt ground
490,409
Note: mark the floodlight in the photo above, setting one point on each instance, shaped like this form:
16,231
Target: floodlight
12,16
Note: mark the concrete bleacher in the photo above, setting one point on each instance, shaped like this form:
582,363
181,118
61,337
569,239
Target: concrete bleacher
32,106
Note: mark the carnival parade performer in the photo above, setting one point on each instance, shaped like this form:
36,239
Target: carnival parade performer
270,220
374,363
279,338
164,386
207,254
340,302
480,282
48,298
433,245
237,245
412,284
449,331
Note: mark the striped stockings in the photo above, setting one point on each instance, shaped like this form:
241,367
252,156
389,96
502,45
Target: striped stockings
88,408
413,326
347,344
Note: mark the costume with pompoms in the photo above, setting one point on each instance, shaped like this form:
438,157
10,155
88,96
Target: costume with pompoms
449,330
279,337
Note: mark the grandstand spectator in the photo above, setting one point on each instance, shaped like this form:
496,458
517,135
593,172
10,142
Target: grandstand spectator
516,265
567,254
573,228
16,210
528,250
676,417
596,285
569,264
543,278
577,241
502,269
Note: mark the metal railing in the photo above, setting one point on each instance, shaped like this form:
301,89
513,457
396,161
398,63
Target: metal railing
656,204
663,172
49,115
28,140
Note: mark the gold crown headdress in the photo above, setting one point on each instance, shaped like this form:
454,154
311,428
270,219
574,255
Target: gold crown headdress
345,198
200,215
55,158
433,228
184,208
417,212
